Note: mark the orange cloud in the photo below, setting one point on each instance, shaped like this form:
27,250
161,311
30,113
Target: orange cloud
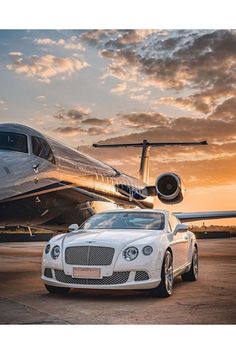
71,43
46,67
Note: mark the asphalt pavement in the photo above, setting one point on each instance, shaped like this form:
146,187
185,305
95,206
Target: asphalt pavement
210,300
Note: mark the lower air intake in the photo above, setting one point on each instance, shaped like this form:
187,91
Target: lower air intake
48,272
115,278
141,276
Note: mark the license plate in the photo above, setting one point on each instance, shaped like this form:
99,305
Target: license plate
93,273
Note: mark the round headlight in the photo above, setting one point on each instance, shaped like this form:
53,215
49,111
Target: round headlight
147,250
130,253
47,248
55,252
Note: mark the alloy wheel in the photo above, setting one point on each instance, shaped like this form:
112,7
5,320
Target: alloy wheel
169,273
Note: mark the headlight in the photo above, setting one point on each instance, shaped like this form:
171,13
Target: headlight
147,250
47,248
130,253
55,252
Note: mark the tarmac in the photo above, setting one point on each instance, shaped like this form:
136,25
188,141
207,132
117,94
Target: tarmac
210,300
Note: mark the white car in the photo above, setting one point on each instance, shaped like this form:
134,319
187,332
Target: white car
122,249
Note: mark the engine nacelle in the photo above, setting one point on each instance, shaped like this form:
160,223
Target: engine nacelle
169,188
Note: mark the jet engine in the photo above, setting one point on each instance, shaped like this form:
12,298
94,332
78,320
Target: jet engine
169,188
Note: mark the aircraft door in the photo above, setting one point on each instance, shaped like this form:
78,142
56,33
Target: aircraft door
43,162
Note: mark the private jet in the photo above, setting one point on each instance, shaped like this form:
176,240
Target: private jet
46,184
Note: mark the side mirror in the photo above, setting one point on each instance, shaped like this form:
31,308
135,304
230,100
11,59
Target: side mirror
73,227
181,228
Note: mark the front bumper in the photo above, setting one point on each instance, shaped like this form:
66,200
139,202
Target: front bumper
126,280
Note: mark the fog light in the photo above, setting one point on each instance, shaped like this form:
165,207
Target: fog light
147,250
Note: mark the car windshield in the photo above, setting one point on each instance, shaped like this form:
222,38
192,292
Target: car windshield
13,141
126,220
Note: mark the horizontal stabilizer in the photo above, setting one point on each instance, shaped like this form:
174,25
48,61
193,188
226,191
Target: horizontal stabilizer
147,143
205,215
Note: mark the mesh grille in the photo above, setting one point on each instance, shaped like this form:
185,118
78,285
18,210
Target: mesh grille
115,278
141,275
89,255
48,272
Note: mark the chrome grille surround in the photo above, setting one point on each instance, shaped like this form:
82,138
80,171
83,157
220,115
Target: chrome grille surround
89,255
141,276
115,278
48,272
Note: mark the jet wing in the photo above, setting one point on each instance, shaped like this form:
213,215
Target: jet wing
205,215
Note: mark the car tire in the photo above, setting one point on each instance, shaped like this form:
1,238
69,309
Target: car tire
165,287
192,274
56,289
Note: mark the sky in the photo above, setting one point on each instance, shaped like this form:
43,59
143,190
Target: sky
87,86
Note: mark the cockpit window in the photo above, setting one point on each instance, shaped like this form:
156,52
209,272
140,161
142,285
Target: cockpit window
13,142
42,149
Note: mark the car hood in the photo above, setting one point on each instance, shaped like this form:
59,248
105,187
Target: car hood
108,237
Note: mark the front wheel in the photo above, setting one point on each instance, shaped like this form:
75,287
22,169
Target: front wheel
192,274
165,287
56,289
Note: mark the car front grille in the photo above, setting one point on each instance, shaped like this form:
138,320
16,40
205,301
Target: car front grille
89,255
141,276
115,278
48,272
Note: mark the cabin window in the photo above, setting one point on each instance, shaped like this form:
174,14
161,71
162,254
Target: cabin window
42,149
13,142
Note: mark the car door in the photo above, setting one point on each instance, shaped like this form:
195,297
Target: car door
179,244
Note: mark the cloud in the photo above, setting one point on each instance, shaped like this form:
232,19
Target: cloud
95,37
226,111
15,54
204,101
71,43
202,62
127,37
47,41
119,38
98,130
144,120
97,122
76,121
70,131
3,106
133,93
40,98
120,88
46,67
72,115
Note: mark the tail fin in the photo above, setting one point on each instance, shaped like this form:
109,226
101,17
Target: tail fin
145,145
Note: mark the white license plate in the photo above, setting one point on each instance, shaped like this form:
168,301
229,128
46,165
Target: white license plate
93,273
